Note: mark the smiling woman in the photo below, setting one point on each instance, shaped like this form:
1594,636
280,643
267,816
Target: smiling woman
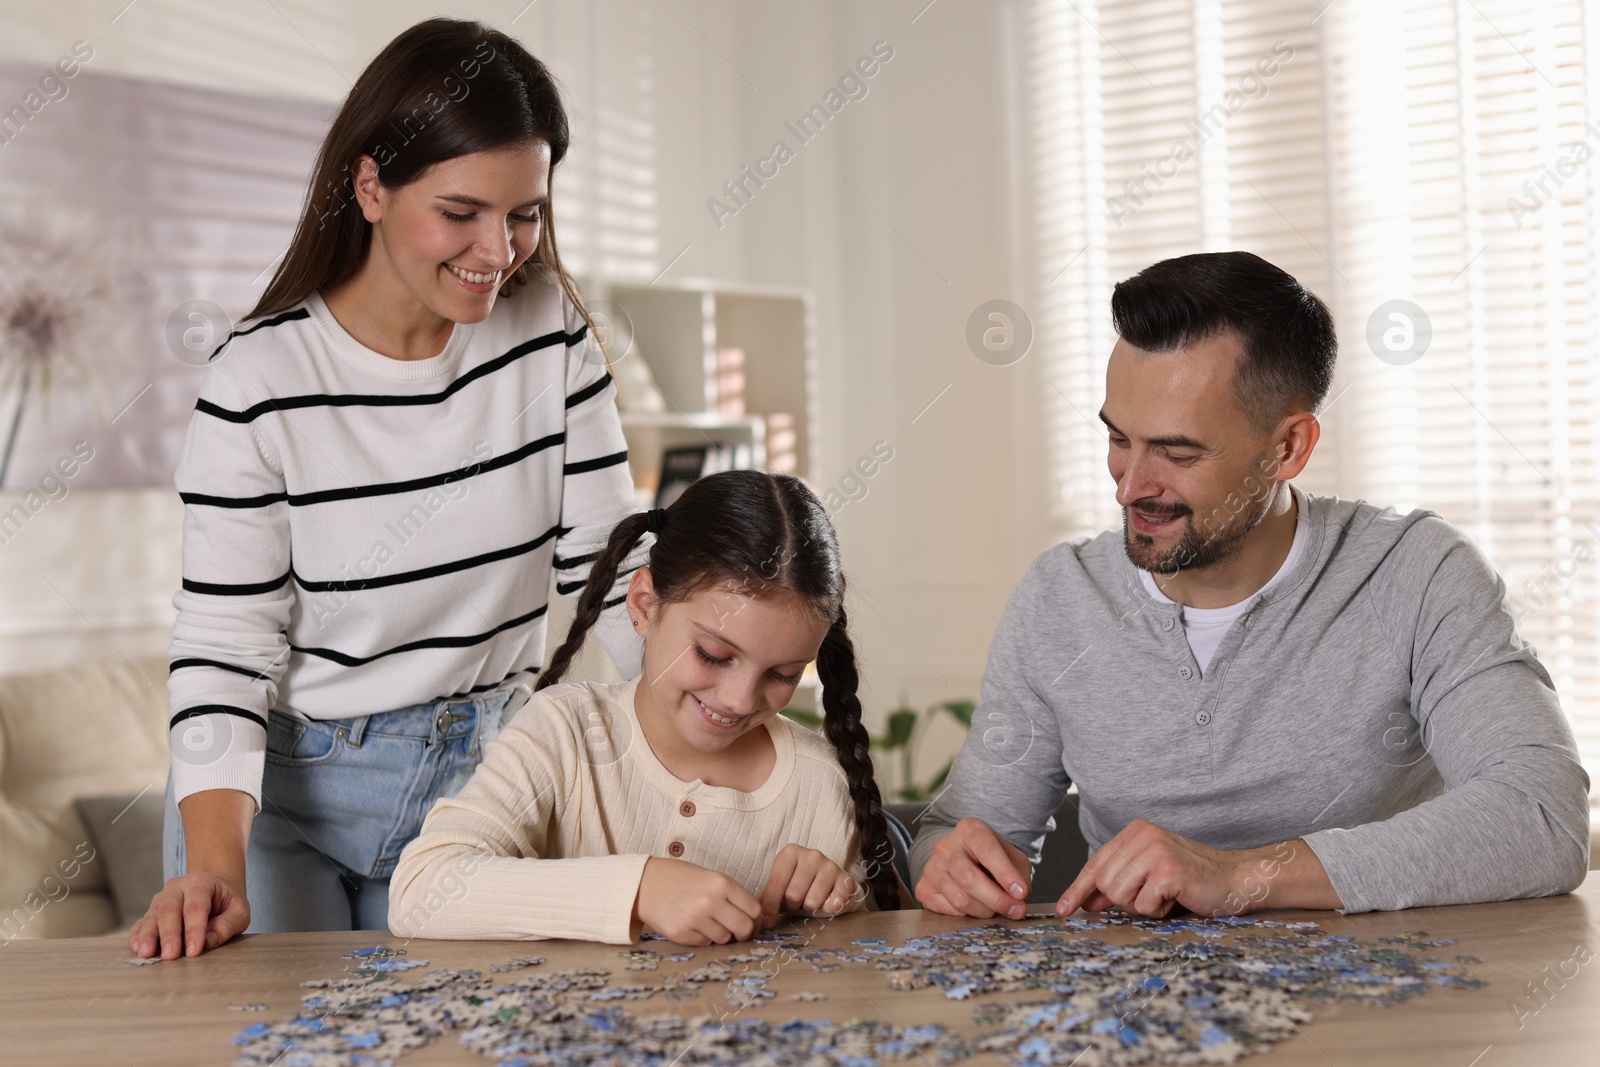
470,152
421,314
432,264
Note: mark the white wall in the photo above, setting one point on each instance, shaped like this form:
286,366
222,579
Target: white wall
902,224
936,146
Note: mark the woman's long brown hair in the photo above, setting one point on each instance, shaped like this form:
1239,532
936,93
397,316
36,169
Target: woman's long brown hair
763,534
444,88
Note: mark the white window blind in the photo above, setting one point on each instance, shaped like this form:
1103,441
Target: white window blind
1436,151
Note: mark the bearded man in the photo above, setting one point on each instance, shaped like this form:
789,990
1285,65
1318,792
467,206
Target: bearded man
1266,698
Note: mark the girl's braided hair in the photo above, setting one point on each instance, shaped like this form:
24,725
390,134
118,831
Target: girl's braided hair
762,534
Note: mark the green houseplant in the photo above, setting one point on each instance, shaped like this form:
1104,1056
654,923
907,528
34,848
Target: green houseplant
901,734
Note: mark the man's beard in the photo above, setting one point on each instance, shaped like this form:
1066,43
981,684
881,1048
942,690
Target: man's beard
1196,548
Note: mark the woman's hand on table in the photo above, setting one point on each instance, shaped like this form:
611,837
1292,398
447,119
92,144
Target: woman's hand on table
190,914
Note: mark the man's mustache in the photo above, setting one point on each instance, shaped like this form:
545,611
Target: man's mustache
1167,510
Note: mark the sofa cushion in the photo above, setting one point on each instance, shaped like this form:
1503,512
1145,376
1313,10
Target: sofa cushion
91,730
125,831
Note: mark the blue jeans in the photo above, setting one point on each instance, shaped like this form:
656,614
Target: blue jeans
339,799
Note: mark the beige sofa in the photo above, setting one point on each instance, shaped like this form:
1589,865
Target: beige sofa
85,622
93,730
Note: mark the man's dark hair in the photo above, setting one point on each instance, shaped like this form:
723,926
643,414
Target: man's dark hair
1286,331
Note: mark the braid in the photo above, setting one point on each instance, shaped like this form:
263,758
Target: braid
760,533
602,576
836,665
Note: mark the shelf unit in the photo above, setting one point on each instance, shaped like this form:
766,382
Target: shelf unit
678,329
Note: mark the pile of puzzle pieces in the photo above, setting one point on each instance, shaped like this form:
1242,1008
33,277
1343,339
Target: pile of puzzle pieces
1190,991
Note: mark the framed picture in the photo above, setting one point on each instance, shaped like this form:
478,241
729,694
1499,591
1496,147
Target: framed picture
126,257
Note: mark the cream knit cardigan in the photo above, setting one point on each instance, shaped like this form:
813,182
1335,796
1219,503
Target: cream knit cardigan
550,837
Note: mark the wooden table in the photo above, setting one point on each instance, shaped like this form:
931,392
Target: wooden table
75,1003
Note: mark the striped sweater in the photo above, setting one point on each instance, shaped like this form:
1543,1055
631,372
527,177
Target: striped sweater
364,533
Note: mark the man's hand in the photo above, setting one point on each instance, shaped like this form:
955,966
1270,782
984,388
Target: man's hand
803,879
974,871
1147,869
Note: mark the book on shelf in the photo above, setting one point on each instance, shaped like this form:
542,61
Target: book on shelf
681,467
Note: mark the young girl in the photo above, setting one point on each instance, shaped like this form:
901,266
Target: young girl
680,800
413,431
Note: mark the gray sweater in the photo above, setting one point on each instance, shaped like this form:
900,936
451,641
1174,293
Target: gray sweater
1377,702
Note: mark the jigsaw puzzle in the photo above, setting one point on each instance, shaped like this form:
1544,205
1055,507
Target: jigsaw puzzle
1043,991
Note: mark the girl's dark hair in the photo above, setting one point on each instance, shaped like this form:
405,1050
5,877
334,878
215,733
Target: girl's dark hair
765,535
444,88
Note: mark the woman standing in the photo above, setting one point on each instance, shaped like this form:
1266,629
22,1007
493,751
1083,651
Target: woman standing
409,433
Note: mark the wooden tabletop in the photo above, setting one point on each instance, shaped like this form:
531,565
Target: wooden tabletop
75,1002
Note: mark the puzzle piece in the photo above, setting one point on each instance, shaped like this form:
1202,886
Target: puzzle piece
517,963
387,964
375,952
642,960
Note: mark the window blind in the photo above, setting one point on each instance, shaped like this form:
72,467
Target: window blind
1438,152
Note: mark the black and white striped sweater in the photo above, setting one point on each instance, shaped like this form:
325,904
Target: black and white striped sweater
364,533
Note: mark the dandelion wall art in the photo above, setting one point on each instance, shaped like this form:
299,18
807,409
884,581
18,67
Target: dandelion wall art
56,313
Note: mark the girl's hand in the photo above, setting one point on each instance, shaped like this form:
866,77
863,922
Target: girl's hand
188,915
688,904
803,879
